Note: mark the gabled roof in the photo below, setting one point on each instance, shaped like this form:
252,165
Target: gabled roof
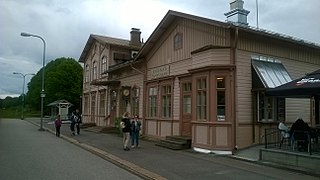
105,40
172,15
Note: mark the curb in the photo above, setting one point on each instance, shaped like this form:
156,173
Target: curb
133,168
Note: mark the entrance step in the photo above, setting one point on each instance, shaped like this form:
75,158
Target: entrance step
175,142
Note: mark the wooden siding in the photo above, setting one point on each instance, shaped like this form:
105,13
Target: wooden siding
243,87
176,100
273,47
195,35
211,57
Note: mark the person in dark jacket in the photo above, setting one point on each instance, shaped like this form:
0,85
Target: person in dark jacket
135,131
77,119
303,129
126,128
57,124
72,124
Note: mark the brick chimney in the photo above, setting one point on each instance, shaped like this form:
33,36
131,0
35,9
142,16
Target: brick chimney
135,37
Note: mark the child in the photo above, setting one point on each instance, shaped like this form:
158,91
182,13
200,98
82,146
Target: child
57,124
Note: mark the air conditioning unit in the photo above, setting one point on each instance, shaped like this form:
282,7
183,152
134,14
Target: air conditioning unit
133,54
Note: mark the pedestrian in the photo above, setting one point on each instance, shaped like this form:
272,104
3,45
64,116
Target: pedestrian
57,124
126,128
135,131
77,119
72,124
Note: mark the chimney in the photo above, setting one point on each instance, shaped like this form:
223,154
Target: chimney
237,14
135,37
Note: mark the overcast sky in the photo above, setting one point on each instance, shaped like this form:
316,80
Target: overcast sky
66,26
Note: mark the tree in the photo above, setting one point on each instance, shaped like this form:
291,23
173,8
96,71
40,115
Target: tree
63,80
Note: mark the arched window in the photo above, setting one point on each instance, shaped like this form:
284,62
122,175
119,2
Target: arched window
87,73
94,70
178,41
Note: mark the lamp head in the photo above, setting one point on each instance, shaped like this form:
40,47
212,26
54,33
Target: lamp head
25,34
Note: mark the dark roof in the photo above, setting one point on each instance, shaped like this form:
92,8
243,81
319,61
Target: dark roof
105,40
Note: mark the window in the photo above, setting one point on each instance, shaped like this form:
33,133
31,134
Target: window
201,99
102,102
152,112
178,41
186,101
221,96
93,105
87,73
270,109
94,70
135,101
86,104
104,64
166,101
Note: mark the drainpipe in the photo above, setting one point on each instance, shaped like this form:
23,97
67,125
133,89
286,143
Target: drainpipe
234,56
143,96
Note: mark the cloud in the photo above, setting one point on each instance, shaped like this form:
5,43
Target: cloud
66,25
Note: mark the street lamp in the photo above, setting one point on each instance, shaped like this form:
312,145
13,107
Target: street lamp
42,93
23,95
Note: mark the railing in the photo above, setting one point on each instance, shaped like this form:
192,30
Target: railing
273,139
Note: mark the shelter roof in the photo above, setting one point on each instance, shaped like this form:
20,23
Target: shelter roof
62,101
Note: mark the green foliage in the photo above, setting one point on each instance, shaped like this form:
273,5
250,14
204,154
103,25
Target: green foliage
10,102
63,80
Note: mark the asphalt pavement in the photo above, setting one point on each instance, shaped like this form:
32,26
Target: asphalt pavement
153,162
26,153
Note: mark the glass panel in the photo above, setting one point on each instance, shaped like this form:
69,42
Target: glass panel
220,82
186,104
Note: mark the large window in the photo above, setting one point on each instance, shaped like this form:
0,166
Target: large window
186,101
93,105
166,101
221,98
202,99
153,92
87,73
135,101
104,64
86,104
270,109
102,102
94,70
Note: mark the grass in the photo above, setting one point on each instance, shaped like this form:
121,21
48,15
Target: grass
15,112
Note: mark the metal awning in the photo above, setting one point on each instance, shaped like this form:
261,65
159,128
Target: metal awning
271,73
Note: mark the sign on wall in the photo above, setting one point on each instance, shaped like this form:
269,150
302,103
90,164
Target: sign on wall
160,72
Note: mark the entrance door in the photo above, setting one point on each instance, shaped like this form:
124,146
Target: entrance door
186,109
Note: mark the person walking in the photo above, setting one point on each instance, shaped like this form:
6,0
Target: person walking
135,131
126,128
57,124
77,119
72,124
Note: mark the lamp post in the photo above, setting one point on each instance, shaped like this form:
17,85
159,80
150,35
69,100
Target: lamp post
42,93
23,95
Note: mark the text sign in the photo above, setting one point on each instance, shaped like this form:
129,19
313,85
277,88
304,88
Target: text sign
160,72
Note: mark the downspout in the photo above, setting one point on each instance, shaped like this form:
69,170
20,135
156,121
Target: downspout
234,56
144,97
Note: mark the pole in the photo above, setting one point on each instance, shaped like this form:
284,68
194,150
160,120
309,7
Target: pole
23,94
42,93
257,7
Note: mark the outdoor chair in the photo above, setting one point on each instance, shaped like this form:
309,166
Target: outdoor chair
301,140
284,138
